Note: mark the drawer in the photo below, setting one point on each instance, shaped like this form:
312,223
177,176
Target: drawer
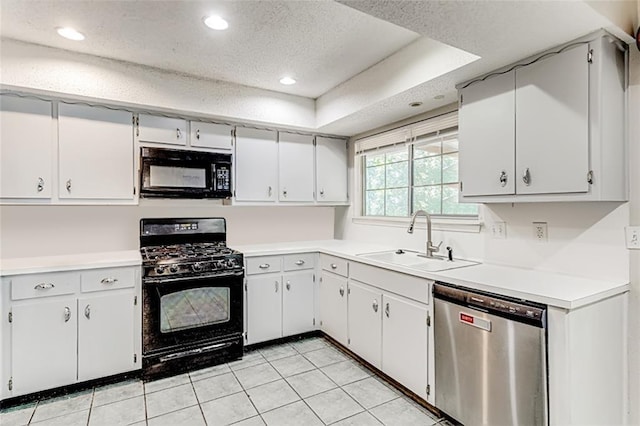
263,264
32,286
409,286
334,264
107,279
295,262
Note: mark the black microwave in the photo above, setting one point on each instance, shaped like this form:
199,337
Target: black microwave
174,173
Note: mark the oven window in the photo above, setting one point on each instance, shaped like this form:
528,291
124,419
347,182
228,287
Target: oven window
177,177
194,308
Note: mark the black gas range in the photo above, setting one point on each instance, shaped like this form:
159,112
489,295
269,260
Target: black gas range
192,295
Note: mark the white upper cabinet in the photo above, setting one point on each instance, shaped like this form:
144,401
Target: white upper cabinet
26,134
155,129
550,129
331,170
552,123
295,154
211,135
486,127
256,163
95,153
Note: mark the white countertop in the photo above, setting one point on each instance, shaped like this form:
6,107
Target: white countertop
70,262
563,291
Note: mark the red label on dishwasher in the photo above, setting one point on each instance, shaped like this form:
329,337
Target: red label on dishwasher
466,318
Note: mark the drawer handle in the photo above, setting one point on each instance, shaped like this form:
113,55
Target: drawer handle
67,314
341,291
264,266
375,305
109,280
300,262
44,286
334,266
198,134
178,133
87,311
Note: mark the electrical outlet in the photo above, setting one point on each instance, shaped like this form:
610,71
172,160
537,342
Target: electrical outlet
633,237
540,231
499,230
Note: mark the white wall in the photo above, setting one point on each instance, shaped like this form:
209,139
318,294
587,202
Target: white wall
52,230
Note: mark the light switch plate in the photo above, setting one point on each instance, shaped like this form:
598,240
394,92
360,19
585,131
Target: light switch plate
633,237
499,230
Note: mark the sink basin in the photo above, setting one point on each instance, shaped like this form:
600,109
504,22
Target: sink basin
411,259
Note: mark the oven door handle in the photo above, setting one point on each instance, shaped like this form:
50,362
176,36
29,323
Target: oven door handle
196,351
197,277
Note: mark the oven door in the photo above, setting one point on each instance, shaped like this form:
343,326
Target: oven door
181,312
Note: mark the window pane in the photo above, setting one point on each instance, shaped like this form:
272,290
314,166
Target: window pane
396,200
398,175
427,198
375,160
374,203
398,156
450,168
426,171
427,150
450,203
450,145
375,177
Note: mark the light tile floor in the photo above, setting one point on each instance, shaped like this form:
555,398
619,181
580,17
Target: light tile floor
306,382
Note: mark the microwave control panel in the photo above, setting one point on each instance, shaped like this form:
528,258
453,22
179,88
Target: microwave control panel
223,178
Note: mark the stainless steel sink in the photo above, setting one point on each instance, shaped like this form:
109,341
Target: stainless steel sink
412,259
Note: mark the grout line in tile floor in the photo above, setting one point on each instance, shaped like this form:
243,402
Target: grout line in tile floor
268,356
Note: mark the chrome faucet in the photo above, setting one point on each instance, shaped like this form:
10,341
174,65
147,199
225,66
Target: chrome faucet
430,249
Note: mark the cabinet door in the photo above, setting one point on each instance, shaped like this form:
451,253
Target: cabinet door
404,342
264,308
295,153
211,135
297,303
365,322
487,136
552,133
256,162
43,344
151,128
26,149
333,306
331,170
96,153
105,335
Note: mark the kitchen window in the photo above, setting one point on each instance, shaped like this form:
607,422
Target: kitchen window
411,168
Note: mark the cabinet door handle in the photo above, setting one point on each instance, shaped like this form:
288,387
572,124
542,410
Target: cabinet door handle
277,286
284,193
198,134
109,280
288,285
264,266
386,310
87,311
375,305
300,262
270,191
67,314
178,133
503,178
44,286
334,266
69,185
40,184
526,177
322,192
341,291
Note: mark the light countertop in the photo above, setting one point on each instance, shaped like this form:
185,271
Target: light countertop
553,289
70,262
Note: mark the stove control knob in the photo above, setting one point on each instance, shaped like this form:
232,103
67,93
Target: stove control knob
173,269
160,270
231,263
197,267
219,264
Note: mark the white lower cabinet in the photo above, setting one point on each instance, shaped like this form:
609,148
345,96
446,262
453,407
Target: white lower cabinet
365,322
280,296
69,327
333,306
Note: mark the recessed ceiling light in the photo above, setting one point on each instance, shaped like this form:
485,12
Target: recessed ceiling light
216,23
415,104
70,33
438,97
287,80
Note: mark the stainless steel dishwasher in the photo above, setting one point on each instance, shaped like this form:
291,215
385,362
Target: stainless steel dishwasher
490,358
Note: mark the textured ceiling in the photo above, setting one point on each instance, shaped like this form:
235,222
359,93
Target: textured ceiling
320,43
